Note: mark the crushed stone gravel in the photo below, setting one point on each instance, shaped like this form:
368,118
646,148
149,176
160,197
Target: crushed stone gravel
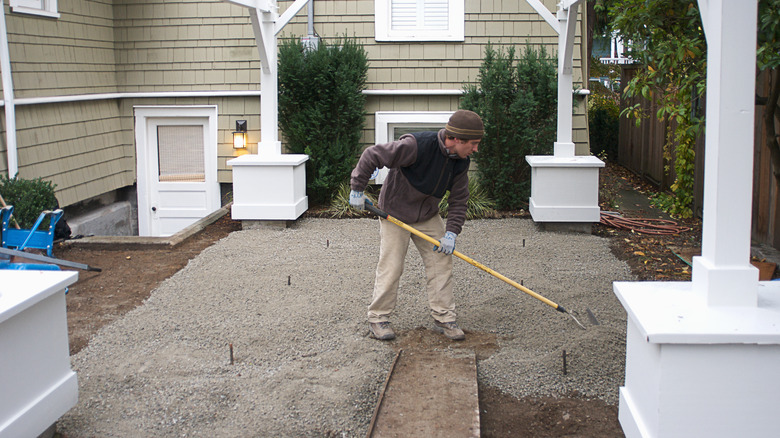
292,304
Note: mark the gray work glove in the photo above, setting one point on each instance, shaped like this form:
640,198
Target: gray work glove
357,200
447,243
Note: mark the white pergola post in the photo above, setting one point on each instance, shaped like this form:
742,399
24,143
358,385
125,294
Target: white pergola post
564,146
263,23
269,185
564,186
723,274
702,356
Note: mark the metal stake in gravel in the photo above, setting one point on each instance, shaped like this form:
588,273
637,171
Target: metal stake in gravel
370,207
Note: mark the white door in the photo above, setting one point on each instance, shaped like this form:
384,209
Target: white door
176,149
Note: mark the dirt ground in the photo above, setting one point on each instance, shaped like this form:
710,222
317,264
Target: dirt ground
129,274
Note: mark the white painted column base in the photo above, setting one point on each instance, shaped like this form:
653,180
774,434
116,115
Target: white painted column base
697,370
725,286
563,149
564,189
37,385
269,148
269,187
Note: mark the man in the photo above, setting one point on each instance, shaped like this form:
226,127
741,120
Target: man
423,166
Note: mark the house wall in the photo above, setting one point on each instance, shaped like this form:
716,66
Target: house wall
402,103
76,145
104,57
69,55
184,46
442,65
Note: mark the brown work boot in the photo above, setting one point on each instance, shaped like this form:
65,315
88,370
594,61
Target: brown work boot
450,330
381,330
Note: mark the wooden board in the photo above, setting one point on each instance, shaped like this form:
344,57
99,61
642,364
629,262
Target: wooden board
430,394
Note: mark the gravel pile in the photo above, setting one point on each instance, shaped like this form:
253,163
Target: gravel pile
292,304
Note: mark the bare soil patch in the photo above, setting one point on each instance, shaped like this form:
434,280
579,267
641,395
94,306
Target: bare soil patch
129,274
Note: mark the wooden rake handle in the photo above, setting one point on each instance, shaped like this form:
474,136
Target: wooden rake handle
370,207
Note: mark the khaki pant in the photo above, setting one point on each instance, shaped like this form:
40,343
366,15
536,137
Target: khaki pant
394,243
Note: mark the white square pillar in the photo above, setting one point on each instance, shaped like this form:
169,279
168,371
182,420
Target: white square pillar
723,274
37,385
564,189
702,356
269,187
694,370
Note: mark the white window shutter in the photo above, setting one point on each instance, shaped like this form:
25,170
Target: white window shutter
419,20
436,14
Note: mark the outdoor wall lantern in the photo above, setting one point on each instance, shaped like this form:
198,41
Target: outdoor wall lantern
239,135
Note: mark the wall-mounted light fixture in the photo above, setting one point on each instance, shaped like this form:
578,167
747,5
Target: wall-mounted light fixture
239,135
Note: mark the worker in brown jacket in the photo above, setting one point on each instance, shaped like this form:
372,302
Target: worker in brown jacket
423,167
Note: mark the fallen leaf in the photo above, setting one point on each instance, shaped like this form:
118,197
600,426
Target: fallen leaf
639,253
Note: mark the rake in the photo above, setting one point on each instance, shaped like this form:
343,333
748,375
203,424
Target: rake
370,207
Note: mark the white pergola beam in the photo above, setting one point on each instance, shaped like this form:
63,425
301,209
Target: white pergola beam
568,46
261,38
262,5
548,16
289,14
566,4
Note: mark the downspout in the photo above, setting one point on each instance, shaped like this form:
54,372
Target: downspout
8,98
310,18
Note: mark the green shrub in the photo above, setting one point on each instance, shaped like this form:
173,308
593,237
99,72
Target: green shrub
479,205
322,109
29,197
603,123
339,204
517,103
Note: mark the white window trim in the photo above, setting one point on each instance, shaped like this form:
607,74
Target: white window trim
383,32
49,8
383,120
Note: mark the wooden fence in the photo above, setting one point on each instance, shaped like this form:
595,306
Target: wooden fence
640,149
766,197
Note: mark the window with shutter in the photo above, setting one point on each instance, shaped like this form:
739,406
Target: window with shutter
419,20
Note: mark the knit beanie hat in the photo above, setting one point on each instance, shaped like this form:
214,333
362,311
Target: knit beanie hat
466,125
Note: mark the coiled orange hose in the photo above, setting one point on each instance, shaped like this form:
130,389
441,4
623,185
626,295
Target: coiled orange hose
643,225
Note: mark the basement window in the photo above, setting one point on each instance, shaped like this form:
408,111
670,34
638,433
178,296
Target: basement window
419,20
44,8
390,125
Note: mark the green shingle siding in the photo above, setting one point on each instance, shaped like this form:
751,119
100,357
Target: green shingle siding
87,148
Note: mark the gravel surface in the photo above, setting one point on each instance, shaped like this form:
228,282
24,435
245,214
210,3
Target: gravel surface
292,303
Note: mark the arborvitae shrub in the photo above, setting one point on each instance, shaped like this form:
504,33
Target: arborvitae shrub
603,124
518,105
322,109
